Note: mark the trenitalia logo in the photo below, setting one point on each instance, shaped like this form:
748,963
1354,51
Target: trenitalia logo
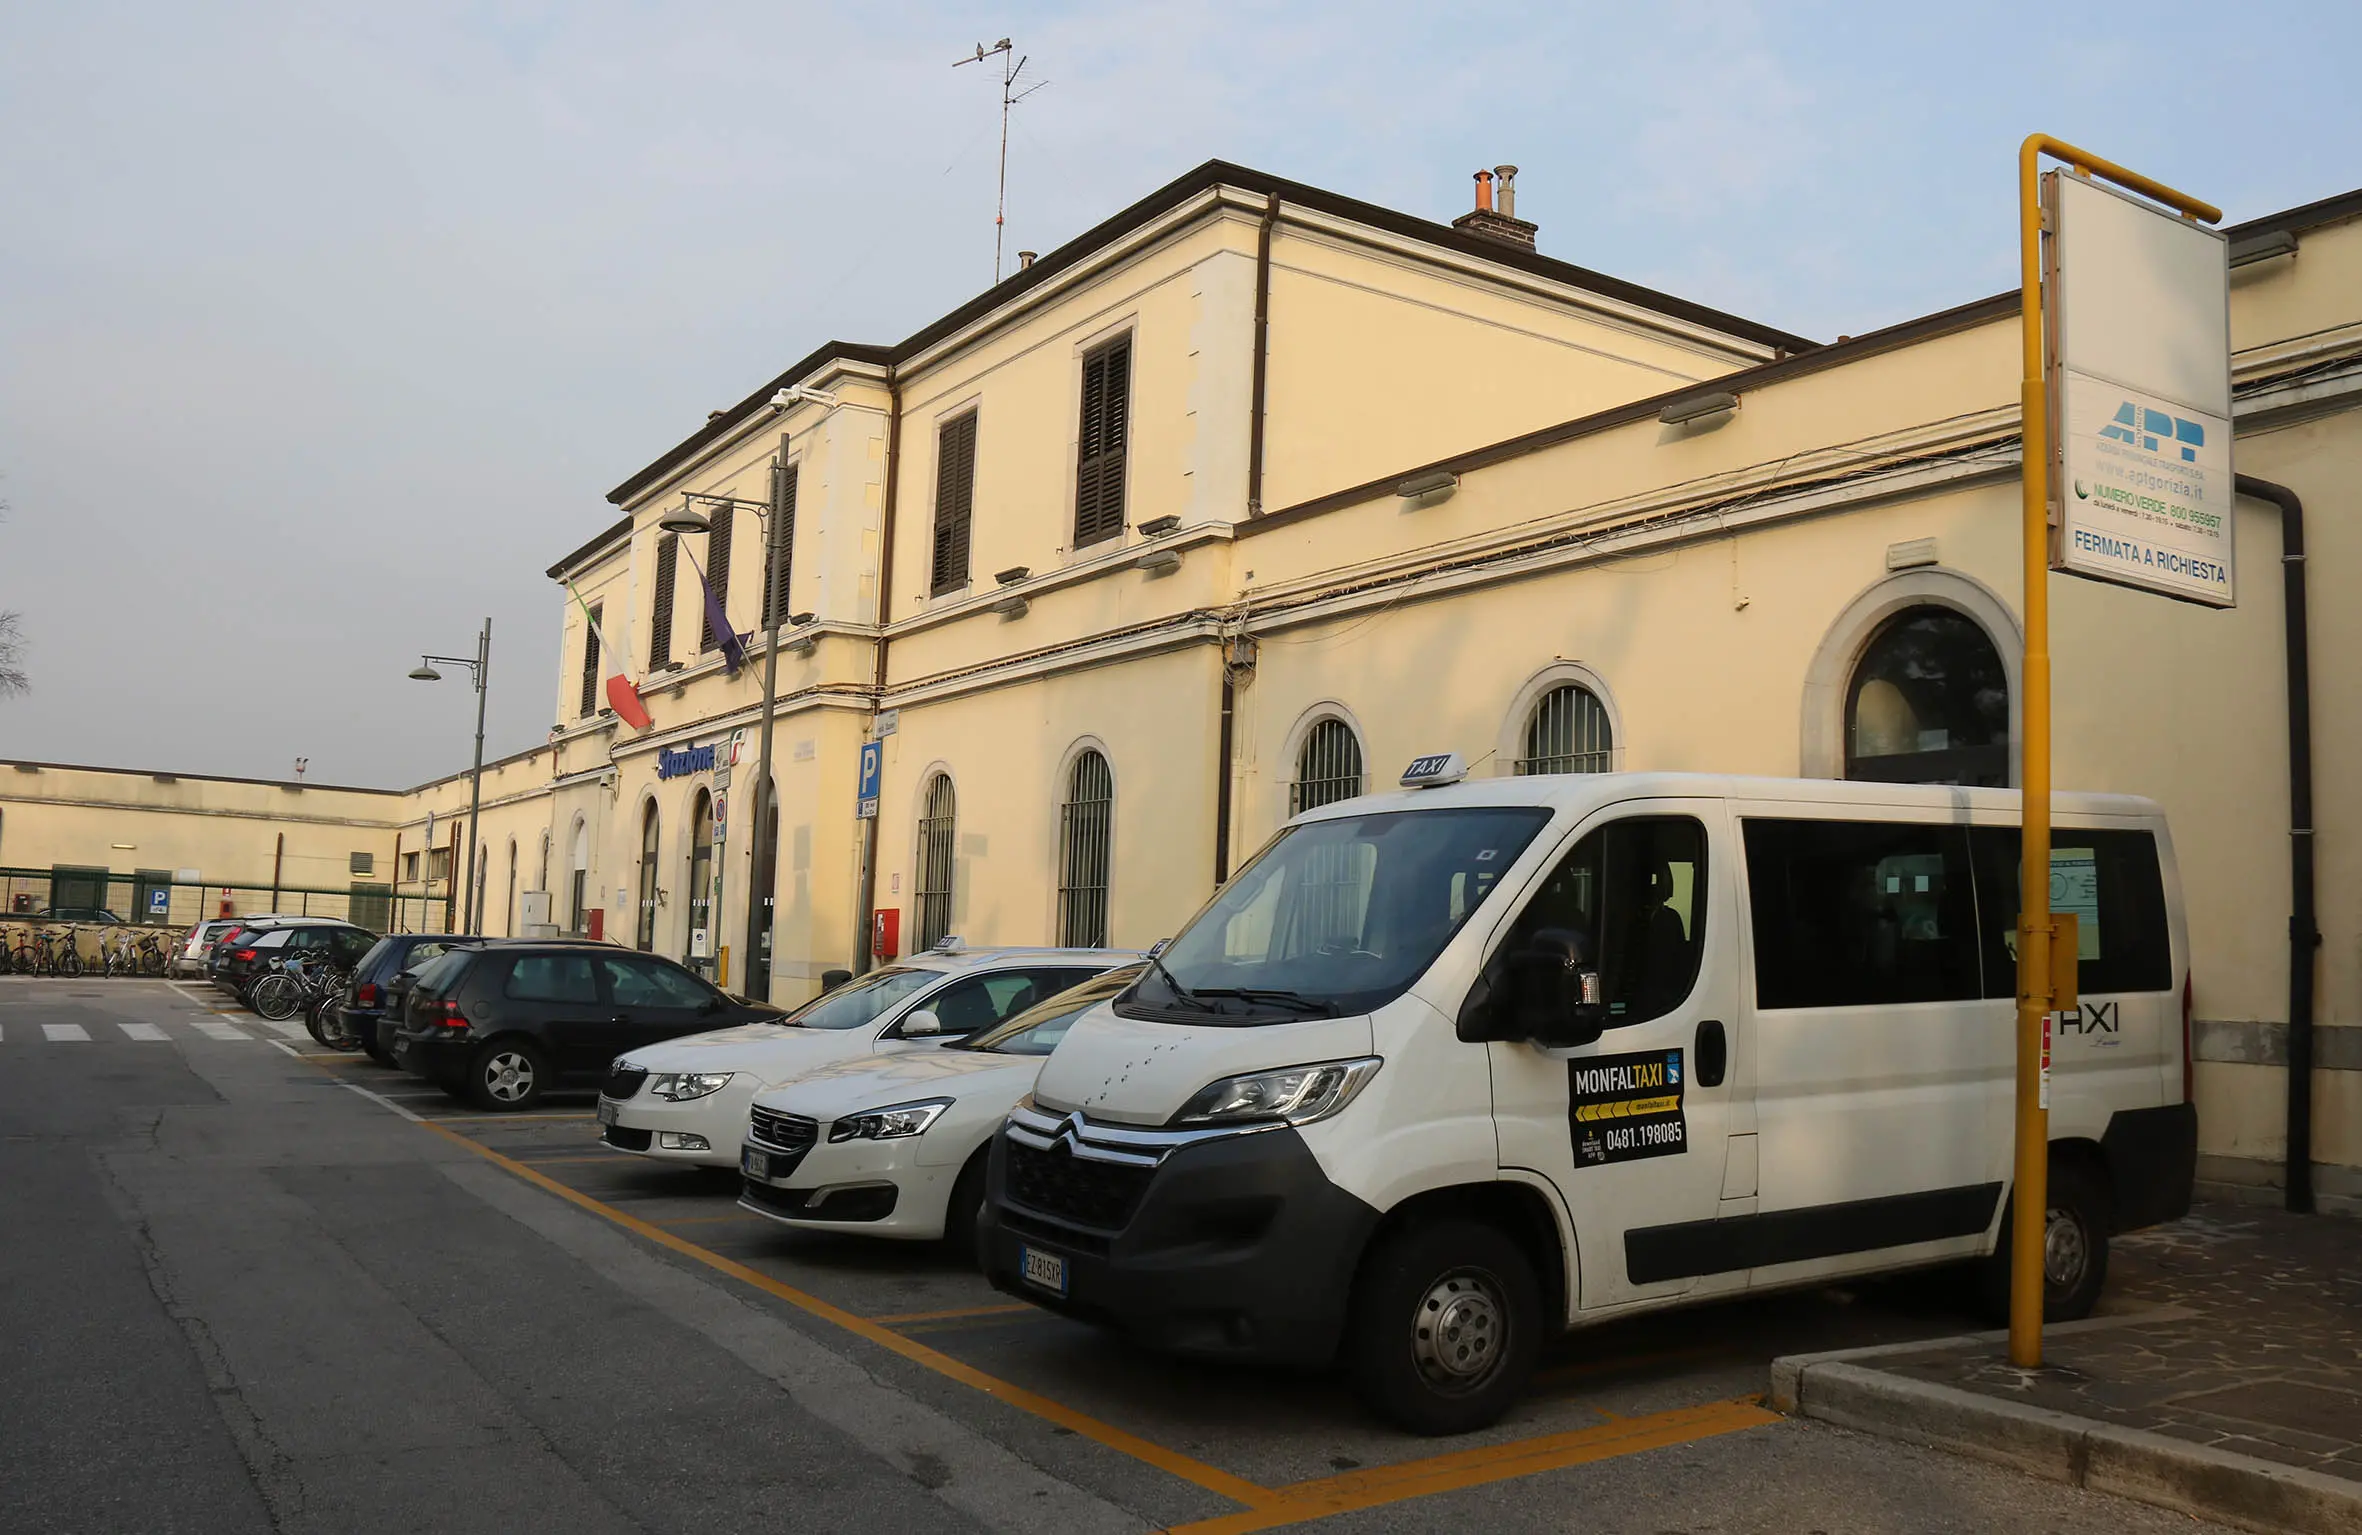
2151,430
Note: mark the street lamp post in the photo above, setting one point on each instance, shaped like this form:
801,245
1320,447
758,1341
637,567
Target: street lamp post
480,670
763,875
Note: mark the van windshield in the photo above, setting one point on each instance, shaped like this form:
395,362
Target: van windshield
1334,917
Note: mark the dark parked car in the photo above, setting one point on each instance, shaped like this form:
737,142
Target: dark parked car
241,960
502,1024
226,937
94,914
372,1005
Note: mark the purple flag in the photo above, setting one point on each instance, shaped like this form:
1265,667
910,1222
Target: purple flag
717,618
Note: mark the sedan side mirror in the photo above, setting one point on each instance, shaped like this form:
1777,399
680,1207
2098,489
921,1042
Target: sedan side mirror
922,1024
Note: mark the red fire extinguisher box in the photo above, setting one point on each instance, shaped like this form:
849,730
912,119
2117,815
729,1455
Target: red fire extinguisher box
885,935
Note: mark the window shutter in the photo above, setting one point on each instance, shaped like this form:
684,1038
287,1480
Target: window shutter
717,569
1099,467
783,503
660,620
955,502
590,673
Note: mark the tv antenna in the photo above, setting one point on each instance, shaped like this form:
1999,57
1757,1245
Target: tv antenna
1012,66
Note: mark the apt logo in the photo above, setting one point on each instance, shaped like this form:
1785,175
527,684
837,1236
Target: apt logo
2151,430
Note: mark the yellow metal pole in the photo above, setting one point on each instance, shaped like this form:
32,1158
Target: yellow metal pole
2036,930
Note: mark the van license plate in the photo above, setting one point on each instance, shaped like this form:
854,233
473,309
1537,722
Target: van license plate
1047,1270
607,1112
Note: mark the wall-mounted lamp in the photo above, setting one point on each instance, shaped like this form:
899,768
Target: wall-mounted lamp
1158,527
1429,488
1012,575
685,519
1159,562
1011,606
2263,247
1708,409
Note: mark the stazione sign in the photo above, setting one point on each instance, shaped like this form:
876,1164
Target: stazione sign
2138,303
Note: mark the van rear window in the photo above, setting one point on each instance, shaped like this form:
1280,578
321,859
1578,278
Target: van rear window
2110,881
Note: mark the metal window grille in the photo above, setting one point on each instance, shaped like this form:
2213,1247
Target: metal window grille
1328,767
590,664
1085,828
1567,733
645,937
660,617
724,521
955,502
933,892
783,504
1099,456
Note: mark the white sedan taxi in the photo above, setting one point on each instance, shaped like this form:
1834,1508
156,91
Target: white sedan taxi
894,1145
685,1100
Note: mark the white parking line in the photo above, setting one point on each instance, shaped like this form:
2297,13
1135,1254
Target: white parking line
61,1032
214,1028
147,1032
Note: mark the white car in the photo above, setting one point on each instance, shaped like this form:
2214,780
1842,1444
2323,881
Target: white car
894,1145
685,1100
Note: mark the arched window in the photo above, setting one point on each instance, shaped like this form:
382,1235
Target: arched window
701,883
931,918
1328,767
1929,703
644,937
1568,732
1086,822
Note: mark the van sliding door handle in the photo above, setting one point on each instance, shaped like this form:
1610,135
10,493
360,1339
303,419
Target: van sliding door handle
1713,1053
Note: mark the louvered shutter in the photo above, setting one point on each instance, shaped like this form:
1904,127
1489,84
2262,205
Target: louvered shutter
660,619
1099,468
783,503
955,502
590,663
717,569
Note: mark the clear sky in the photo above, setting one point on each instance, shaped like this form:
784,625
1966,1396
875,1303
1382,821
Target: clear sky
325,329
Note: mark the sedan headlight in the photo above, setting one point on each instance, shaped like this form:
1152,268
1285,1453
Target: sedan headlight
681,1086
1296,1095
889,1123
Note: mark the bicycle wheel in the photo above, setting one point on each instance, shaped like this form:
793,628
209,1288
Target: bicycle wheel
151,961
276,997
331,1030
70,962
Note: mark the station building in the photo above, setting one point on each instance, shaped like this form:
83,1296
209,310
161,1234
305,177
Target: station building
1242,499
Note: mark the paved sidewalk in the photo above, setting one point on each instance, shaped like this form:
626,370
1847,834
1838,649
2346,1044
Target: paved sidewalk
2223,1377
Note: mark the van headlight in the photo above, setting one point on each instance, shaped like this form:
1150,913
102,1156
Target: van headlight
681,1086
889,1124
1296,1095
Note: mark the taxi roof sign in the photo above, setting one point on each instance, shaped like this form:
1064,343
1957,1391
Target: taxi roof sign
1435,771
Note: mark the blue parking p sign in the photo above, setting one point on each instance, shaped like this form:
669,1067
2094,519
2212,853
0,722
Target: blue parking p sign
159,901
873,763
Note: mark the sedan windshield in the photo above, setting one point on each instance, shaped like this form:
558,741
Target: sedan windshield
1334,917
1037,1030
863,1001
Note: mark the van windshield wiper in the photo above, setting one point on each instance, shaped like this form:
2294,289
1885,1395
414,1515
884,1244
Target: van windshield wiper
1180,991
1294,999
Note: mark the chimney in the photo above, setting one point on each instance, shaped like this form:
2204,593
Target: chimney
1026,259
1501,224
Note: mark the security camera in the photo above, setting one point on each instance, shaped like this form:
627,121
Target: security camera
801,394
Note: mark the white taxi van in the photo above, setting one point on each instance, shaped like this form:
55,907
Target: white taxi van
1443,1071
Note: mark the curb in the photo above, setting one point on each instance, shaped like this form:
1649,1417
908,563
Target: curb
2102,1457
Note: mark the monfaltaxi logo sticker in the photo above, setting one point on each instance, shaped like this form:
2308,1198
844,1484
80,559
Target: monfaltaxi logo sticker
1623,1107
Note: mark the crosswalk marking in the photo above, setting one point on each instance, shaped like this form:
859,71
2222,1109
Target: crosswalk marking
147,1032
214,1028
61,1032
151,1033
285,1029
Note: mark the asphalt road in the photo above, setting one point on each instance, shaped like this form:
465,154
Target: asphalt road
238,1294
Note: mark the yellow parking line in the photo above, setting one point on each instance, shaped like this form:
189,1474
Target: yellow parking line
1212,1478
903,1318
609,1157
506,1119
1302,1502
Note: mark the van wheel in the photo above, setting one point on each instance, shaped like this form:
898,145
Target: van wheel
2074,1249
1445,1327
965,1214
507,1074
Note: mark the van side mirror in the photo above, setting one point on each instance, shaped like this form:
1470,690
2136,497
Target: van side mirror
922,1024
1545,992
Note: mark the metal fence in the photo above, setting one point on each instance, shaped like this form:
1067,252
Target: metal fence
151,900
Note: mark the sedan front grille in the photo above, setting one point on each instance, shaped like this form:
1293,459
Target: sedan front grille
622,1081
782,1132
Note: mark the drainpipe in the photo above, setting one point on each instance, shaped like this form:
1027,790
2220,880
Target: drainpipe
1262,355
1222,738
2304,933
862,958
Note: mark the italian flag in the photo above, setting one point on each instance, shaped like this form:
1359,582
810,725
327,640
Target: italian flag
622,697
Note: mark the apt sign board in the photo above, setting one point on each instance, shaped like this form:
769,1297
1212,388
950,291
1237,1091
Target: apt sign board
2139,311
